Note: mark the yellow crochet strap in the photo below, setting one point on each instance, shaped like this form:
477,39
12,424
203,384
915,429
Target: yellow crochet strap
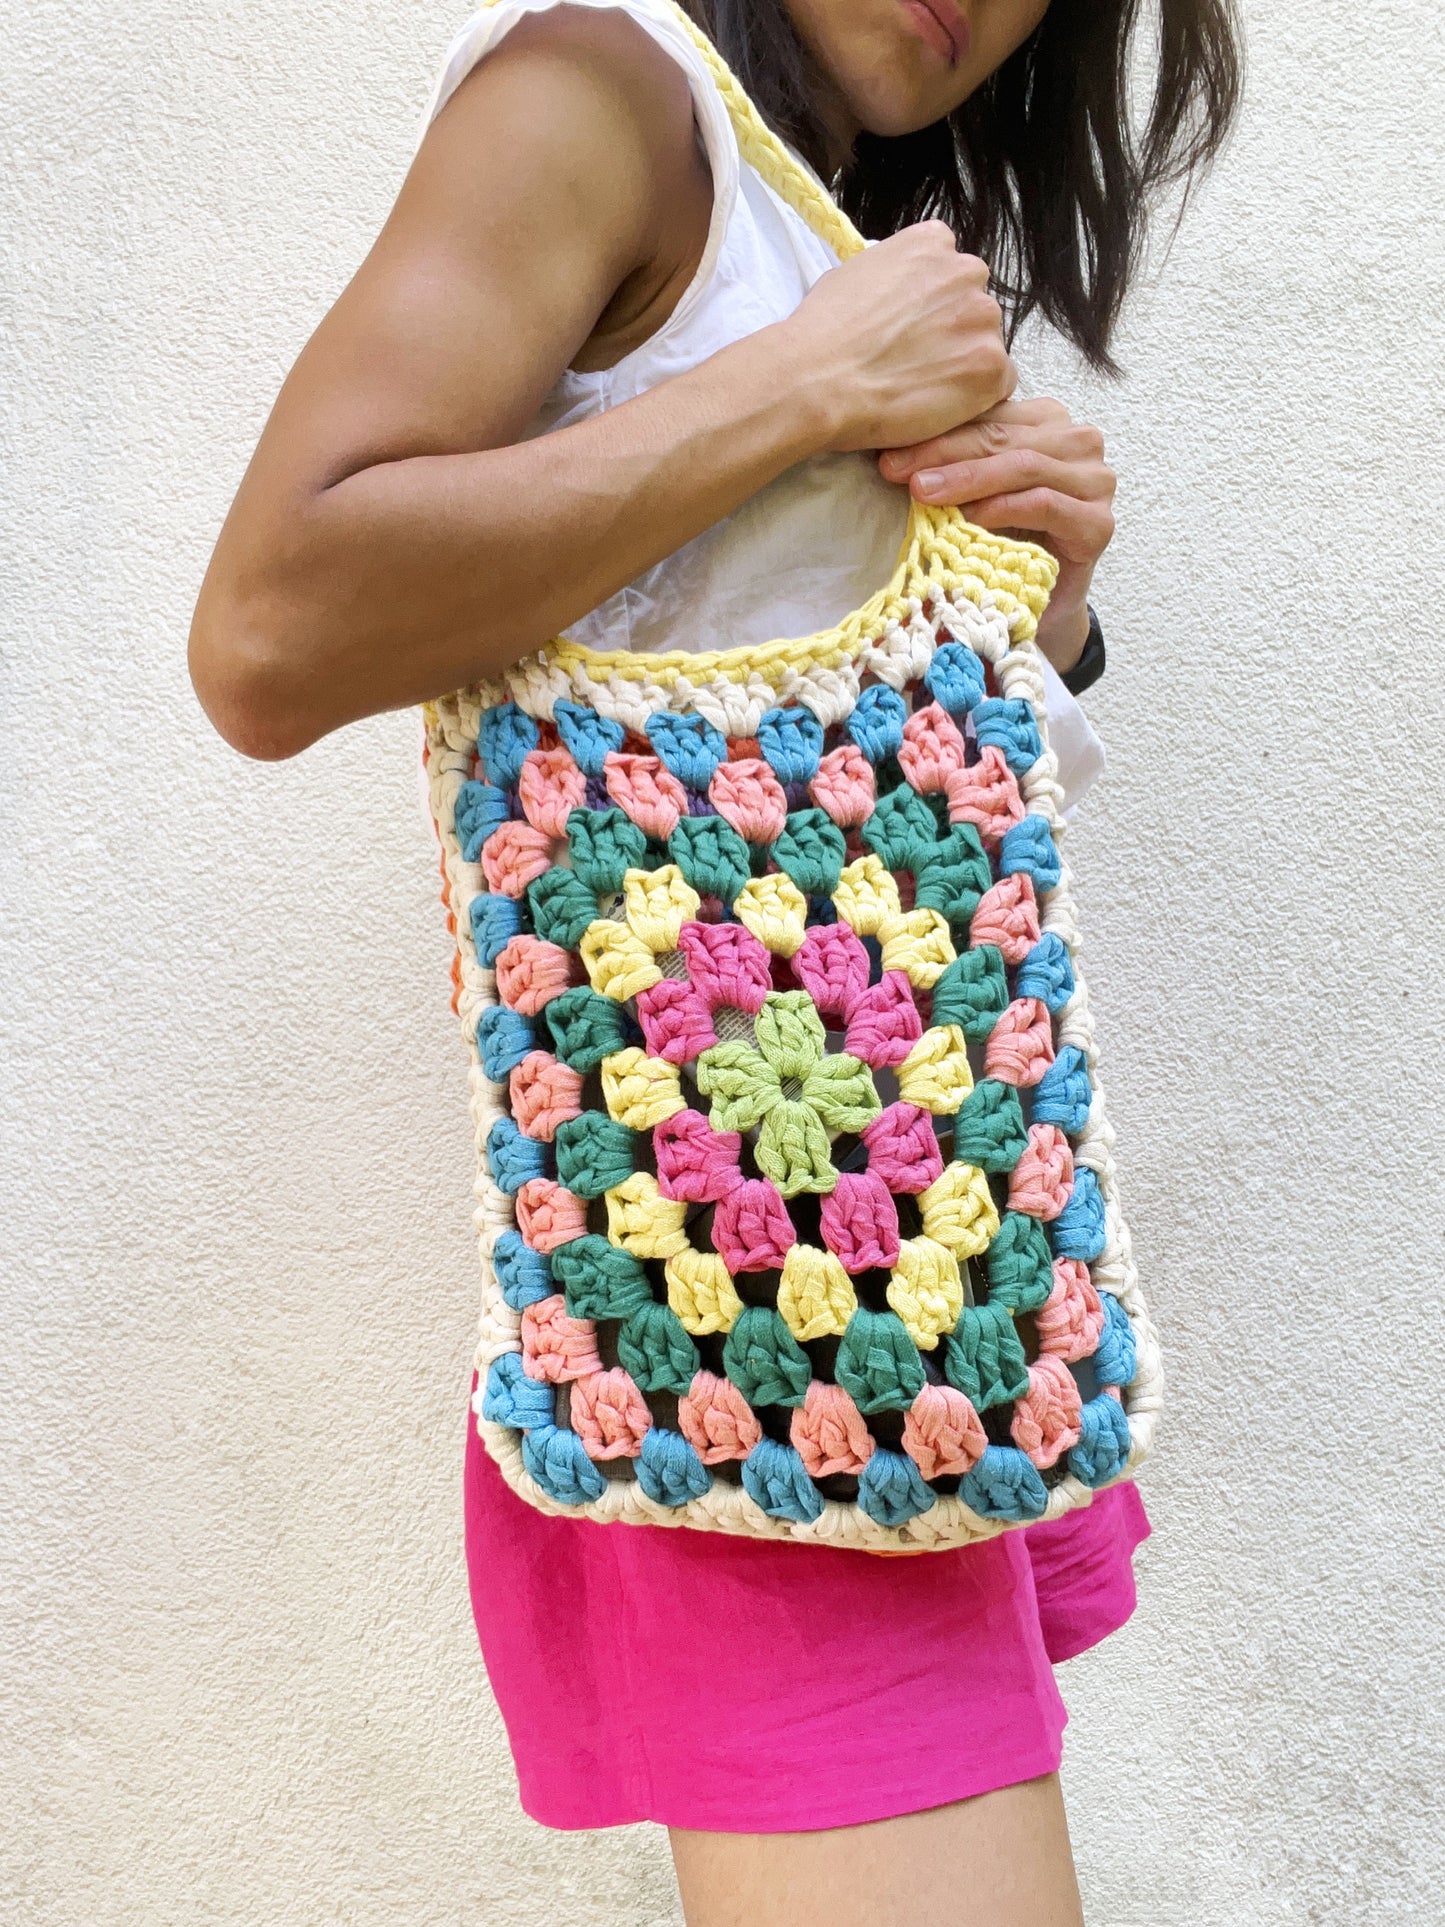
767,156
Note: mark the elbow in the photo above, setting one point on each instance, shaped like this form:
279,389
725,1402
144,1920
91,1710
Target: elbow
250,678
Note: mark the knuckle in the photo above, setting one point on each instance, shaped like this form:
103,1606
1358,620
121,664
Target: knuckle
1075,445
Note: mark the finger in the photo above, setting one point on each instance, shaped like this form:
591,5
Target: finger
1030,412
1076,531
1027,408
1010,425
986,435
1009,472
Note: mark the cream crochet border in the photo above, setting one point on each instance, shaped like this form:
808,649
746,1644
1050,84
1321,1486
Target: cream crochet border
983,591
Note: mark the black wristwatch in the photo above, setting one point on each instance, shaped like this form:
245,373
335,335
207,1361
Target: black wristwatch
1090,666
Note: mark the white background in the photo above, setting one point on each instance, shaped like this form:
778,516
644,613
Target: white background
238,1681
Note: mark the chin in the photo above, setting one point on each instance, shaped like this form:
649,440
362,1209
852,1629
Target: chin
890,118
889,98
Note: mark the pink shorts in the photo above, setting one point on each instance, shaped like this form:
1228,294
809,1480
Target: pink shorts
742,1686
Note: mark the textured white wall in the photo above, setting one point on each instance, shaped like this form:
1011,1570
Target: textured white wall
238,1681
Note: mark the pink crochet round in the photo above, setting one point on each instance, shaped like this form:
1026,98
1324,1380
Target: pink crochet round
555,1347
1008,917
727,965
883,1023
549,1215
609,1414
649,793
903,1148
544,1094
551,786
860,1222
986,794
1020,1046
832,966
829,1432
695,1163
751,1228
843,786
675,1021
933,749
513,856
530,973
716,1420
749,797
1071,1319
1043,1178
942,1433
1046,1418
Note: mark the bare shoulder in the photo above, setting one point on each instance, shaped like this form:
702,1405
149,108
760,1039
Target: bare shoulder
580,111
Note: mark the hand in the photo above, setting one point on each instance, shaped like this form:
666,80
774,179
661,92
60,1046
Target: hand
900,343
1026,467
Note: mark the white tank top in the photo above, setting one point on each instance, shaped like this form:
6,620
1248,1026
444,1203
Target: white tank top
822,537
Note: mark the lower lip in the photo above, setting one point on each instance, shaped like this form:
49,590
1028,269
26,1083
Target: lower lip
931,30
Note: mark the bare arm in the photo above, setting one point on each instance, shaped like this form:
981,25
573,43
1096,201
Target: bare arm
391,540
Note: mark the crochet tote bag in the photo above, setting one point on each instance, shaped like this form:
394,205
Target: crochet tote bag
797,1207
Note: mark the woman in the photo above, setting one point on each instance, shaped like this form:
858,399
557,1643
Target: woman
595,377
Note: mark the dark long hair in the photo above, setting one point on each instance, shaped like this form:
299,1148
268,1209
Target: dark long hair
1045,171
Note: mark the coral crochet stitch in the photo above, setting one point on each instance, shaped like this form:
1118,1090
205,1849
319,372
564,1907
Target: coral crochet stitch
797,1204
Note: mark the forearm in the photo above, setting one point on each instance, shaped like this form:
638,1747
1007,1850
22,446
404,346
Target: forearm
409,578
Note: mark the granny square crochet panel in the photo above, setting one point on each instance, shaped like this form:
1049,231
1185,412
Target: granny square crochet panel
797,1206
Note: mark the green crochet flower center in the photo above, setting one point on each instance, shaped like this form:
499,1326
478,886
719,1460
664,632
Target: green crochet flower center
790,1092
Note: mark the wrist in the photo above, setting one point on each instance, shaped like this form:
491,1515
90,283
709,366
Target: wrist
1062,633
811,403
1091,664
